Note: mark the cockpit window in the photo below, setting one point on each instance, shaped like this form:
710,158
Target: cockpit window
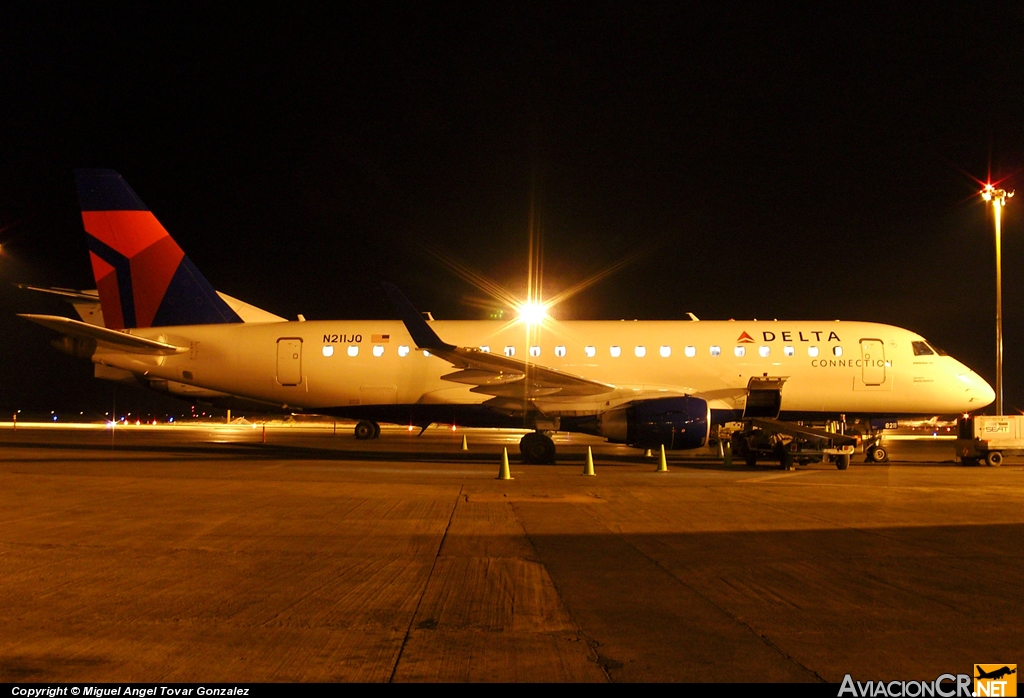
938,350
922,349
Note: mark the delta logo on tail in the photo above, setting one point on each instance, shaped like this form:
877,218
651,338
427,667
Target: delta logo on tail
143,277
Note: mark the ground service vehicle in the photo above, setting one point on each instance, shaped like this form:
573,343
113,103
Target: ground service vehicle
986,439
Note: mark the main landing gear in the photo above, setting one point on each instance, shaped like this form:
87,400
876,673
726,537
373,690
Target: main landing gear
366,430
537,449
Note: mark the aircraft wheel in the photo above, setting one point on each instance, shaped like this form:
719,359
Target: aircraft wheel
843,461
537,449
878,454
994,459
365,430
376,430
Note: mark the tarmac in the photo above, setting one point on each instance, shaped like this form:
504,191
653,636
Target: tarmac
208,555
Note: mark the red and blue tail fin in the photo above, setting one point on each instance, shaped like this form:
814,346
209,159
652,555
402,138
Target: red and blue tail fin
143,277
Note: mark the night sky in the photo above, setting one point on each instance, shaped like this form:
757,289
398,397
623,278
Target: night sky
802,163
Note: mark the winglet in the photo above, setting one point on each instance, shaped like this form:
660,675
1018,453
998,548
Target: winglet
421,332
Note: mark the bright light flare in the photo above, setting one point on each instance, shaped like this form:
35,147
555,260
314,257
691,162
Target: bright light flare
532,313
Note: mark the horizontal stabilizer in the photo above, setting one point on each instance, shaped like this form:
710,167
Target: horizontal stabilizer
64,292
109,339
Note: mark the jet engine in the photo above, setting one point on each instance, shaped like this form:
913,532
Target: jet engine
672,422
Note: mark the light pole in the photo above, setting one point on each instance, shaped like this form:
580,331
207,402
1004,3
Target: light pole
998,197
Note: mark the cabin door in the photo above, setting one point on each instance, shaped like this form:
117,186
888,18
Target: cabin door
289,361
872,354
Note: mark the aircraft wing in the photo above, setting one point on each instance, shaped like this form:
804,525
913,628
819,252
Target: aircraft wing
503,376
108,339
492,374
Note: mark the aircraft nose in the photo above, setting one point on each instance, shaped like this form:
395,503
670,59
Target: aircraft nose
986,394
979,392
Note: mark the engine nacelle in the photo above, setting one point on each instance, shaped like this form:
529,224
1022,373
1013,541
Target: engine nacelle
672,422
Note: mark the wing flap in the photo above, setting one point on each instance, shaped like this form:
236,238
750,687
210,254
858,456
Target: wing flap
503,376
473,376
108,339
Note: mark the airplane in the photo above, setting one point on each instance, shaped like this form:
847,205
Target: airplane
996,674
647,384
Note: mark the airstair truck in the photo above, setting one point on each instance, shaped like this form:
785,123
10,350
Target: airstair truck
986,439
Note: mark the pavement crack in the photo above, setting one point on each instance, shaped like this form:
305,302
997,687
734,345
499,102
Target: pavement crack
426,585
592,643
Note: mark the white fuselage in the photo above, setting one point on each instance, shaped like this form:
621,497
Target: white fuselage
831,367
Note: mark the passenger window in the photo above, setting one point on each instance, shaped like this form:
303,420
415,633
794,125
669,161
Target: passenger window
534,351
590,351
426,353
764,350
921,349
838,351
378,350
665,351
788,351
403,350
559,351
812,351
485,349
510,351
616,351
739,351
716,351
690,351
328,350
353,350
640,351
